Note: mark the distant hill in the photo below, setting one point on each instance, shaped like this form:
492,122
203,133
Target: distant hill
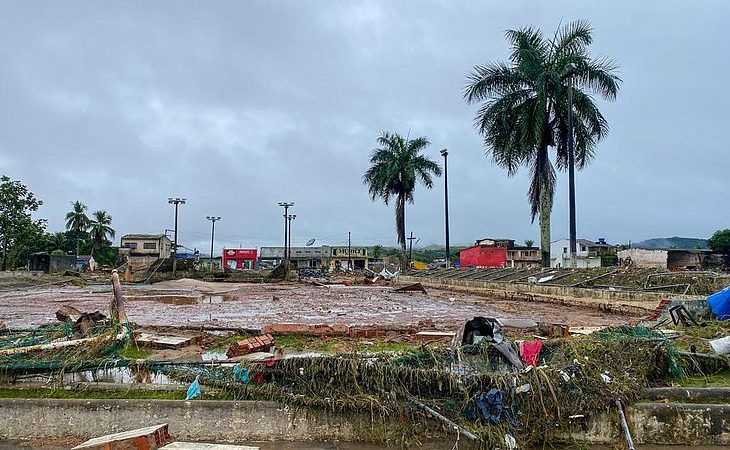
672,242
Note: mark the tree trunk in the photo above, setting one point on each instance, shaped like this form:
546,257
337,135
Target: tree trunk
5,255
545,210
400,224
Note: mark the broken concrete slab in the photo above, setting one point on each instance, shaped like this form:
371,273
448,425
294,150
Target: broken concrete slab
149,438
434,336
206,446
251,345
163,341
522,324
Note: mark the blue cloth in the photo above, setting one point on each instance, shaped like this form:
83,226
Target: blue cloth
194,389
491,406
241,374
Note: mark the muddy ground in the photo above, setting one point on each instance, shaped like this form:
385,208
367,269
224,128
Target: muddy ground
196,303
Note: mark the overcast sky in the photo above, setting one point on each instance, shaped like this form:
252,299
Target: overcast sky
238,105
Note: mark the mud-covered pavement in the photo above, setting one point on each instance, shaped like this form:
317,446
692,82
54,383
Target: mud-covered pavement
192,303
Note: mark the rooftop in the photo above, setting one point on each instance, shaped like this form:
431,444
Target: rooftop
143,236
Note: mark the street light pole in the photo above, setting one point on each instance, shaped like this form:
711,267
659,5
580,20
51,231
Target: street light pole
290,218
213,219
177,201
445,154
349,250
571,177
286,206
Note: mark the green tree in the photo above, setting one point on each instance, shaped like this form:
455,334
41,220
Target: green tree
101,230
377,251
57,241
524,108
17,204
720,242
396,166
78,222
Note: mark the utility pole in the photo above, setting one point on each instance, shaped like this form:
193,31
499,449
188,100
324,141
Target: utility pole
177,201
290,218
286,206
213,219
445,154
410,249
571,176
349,250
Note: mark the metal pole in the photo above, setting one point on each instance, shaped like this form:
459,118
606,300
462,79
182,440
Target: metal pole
286,206
410,248
174,248
625,426
290,217
213,219
349,251
571,177
445,154
175,201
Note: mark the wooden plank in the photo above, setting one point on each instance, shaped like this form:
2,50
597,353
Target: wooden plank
163,341
148,438
205,446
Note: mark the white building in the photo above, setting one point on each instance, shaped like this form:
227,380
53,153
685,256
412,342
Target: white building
587,253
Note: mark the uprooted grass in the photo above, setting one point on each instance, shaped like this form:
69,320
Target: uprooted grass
388,391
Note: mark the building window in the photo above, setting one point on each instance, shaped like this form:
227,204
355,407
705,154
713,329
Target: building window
132,245
565,249
149,245
582,248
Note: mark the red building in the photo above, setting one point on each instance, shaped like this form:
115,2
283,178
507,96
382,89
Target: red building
483,256
239,258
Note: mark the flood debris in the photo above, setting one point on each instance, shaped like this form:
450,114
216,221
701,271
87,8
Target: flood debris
262,343
148,438
205,446
165,341
415,287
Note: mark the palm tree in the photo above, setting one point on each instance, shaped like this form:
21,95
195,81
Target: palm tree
524,108
395,167
529,242
77,222
101,230
57,241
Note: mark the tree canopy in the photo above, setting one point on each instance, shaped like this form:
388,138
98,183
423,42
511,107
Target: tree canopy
720,242
17,225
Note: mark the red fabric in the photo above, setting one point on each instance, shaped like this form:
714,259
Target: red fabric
530,351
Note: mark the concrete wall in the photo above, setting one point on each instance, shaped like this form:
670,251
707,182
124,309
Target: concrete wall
651,423
219,421
645,258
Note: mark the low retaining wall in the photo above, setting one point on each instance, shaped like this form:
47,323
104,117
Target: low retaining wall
628,302
221,421
205,420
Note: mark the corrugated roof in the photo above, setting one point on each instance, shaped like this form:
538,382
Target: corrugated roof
143,236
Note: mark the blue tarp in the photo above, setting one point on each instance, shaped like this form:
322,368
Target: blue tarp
720,304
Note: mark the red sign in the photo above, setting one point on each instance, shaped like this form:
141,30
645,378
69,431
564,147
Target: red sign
239,258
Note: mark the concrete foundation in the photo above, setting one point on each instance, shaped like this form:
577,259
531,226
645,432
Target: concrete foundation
220,421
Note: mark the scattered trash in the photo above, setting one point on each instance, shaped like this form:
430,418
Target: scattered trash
241,374
545,279
523,388
411,288
194,389
720,304
530,351
491,406
721,346
606,377
510,442
680,315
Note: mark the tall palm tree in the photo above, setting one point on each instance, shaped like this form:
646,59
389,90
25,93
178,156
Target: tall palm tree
77,222
101,230
524,108
395,167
